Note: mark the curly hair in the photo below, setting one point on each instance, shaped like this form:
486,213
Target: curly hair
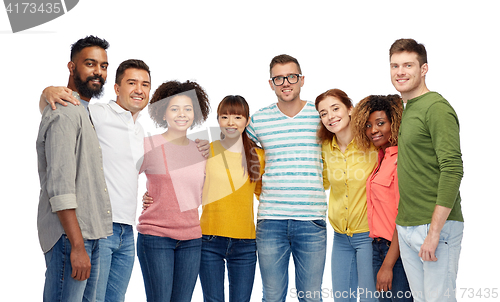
390,104
166,91
323,134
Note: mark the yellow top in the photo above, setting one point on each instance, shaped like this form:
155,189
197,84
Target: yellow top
228,195
346,173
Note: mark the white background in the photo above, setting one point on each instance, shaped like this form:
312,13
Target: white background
226,46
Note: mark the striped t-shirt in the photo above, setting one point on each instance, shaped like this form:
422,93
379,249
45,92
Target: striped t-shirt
292,185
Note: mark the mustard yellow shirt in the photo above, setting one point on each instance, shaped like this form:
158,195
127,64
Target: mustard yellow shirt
346,174
228,195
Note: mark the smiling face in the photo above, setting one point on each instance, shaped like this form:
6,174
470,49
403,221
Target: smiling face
335,116
179,114
407,76
286,92
133,91
88,71
232,125
378,129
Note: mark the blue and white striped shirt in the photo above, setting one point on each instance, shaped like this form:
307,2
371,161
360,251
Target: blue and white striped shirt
292,185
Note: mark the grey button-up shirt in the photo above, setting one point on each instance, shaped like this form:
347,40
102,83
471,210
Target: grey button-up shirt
71,175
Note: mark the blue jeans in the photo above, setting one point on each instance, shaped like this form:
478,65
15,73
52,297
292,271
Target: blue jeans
117,255
432,280
169,267
400,288
306,241
241,258
352,268
59,285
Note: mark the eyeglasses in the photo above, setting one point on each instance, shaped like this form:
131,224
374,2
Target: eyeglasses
291,78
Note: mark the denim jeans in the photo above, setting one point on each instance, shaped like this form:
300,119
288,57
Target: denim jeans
59,285
169,267
431,280
241,258
352,268
306,242
116,258
400,288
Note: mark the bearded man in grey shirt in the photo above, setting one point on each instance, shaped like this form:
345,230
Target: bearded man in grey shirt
74,210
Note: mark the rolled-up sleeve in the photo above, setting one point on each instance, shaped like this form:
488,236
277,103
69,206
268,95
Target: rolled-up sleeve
60,144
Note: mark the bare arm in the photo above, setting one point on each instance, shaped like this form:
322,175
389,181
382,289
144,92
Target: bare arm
428,248
80,261
52,95
385,274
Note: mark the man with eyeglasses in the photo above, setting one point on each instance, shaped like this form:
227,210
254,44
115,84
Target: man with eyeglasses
292,207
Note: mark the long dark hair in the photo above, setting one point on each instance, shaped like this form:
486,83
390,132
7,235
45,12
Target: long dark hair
236,104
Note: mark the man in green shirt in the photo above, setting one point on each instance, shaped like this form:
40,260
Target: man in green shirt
429,221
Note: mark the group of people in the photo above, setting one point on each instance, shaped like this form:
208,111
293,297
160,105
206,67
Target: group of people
393,173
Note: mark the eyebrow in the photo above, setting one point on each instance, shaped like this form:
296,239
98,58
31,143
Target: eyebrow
95,61
136,80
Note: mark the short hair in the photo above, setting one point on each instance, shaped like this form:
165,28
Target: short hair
88,41
283,59
166,91
390,104
409,45
323,134
131,63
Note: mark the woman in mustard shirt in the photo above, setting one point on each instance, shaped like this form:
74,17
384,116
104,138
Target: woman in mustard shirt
233,173
345,169
376,122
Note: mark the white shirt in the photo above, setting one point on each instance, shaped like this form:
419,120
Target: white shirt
122,144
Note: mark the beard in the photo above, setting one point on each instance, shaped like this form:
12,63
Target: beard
87,90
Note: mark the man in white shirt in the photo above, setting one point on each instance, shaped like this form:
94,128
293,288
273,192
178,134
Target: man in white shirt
122,142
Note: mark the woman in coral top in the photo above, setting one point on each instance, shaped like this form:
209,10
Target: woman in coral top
169,239
376,121
345,170
233,174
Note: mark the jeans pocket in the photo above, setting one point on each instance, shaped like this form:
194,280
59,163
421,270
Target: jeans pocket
208,238
320,223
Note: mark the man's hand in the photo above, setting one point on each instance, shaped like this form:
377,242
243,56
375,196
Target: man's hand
428,248
80,262
52,95
147,201
203,147
431,241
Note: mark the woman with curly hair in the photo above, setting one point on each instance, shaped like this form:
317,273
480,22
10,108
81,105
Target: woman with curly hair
169,239
376,122
346,168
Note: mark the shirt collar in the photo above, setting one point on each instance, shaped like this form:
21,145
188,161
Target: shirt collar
335,145
390,151
118,109
83,102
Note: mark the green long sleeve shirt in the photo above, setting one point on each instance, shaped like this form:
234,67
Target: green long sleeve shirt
430,165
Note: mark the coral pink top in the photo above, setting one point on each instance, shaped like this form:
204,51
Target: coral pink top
382,195
175,176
